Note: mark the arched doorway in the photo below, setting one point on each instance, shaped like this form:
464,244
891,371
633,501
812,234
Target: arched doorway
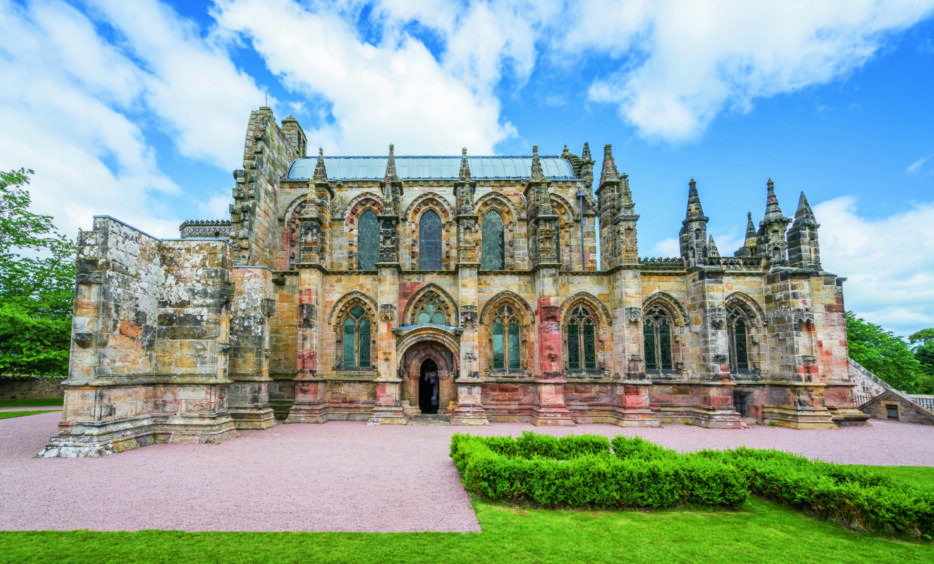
428,384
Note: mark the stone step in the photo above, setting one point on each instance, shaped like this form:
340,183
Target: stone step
434,419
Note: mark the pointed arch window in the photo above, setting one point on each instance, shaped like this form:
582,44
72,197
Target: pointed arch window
738,329
656,334
368,241
580,333
506,345
429,241
492,253
357,339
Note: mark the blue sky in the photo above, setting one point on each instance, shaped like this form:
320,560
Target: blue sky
138,109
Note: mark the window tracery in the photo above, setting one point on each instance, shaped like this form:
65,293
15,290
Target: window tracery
506,339
580,339
356,339
738,332
368,241
656,332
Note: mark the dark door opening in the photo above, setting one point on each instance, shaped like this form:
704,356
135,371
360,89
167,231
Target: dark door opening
891,411
739,404
428,387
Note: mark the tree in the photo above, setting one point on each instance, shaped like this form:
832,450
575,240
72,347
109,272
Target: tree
923,345
37,277
883,354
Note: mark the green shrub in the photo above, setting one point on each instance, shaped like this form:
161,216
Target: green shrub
855,497
580,471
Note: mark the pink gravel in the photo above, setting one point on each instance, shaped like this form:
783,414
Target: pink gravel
334,477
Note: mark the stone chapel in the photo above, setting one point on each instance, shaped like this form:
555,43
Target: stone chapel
467,289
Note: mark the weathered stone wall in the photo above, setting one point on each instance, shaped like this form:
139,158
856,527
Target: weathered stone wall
29,388
149,352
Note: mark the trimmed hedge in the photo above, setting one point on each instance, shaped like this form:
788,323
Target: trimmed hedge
855,497
581,472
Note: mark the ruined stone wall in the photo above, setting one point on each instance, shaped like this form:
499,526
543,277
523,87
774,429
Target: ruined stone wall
266,159
148,355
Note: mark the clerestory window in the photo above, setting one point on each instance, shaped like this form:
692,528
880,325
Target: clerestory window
368,241
492,255
357,339
429,241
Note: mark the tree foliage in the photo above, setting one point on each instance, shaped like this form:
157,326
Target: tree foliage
922,343
885,355
37,277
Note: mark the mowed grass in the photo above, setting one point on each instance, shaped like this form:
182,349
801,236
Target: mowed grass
761,532
41,402
12,414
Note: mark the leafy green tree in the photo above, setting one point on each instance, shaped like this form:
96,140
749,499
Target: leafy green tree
883,354
923,344
37,277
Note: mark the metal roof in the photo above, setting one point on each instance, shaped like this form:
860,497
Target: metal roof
431,168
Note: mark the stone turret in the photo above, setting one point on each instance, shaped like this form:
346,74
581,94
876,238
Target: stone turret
543,234
803,245
771,236
693,235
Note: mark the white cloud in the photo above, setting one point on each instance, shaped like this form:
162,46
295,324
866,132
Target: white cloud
669,247
58,78
915,167
393,92
888,262
686,63
201,98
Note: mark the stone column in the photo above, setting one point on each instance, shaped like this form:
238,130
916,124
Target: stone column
627,363
388,408
310,401
798,401
552,409
714,396
249,353
469,410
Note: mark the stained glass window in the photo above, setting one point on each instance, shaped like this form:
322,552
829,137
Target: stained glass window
739,352
430,311
357,339
581,340
429,241
492,255
506,340
648,334
656,333
368,241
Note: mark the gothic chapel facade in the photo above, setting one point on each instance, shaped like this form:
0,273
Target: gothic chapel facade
383,289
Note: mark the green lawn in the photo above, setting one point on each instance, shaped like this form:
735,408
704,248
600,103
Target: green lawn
761,531
12,414
43,402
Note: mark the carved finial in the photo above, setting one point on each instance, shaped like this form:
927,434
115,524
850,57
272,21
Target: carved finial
712,248
695,211
609,172
391,166
537,175
772,211
585,154
465,166
321,173
804,213
750,231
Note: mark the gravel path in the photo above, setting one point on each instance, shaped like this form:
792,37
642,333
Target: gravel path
334,477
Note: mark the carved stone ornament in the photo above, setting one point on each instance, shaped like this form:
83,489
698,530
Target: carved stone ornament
802,316
719,358
387,313
716,316
468,317
633,314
